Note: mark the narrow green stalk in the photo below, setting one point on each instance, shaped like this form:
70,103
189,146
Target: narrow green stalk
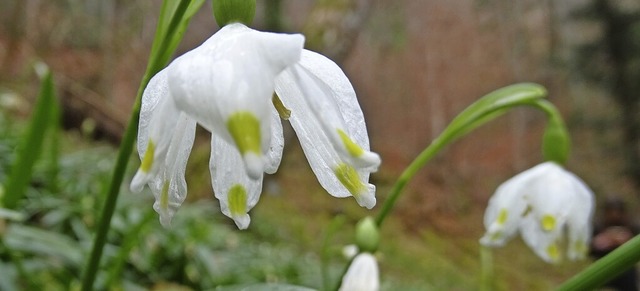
606,268
156,62
487,275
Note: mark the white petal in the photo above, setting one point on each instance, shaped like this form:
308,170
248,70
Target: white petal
274,155
171,133
158,118
505,211
234,71
176,163
333,100
546,244
550,193
156,90
362,274
579,221
227,172
323,157
350,251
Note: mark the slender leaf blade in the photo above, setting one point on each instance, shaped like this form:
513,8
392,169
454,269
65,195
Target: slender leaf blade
31,144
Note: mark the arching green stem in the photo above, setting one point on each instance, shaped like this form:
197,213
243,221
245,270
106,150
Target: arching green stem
480,112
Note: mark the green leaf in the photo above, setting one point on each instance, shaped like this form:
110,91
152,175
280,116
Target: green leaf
11,215
31,144
42,242
606,268
264,287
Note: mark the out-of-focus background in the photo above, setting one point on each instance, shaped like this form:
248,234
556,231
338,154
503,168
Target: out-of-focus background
414,65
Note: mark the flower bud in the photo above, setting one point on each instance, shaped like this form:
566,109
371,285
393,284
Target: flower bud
367,235
556,142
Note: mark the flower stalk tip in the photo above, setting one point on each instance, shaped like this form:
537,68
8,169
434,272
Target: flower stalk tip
230,11
556,143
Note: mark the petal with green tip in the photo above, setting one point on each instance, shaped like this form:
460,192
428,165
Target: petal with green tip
228,176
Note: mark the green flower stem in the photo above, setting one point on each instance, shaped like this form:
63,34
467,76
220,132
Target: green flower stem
156,62
480,112
606,268
487,279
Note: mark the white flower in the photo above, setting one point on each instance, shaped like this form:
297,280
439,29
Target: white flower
542,203
227,86
350,251
362,274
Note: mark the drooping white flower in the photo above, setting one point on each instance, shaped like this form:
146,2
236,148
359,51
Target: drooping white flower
227,86
548,206
362,274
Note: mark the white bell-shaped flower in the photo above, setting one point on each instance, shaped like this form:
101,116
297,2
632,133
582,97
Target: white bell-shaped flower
548,206
362,275
227,85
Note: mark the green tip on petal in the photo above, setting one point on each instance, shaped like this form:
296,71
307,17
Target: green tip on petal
553,252
230,11
580,248
237,199
348,177
147,160
502,216
367,235
283,111
354,149
164,196
548,222
244,128
496,236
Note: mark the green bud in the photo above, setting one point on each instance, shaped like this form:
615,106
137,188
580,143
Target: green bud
230,11
556,142
367,235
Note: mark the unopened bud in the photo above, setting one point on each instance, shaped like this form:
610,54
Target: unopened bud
367,235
